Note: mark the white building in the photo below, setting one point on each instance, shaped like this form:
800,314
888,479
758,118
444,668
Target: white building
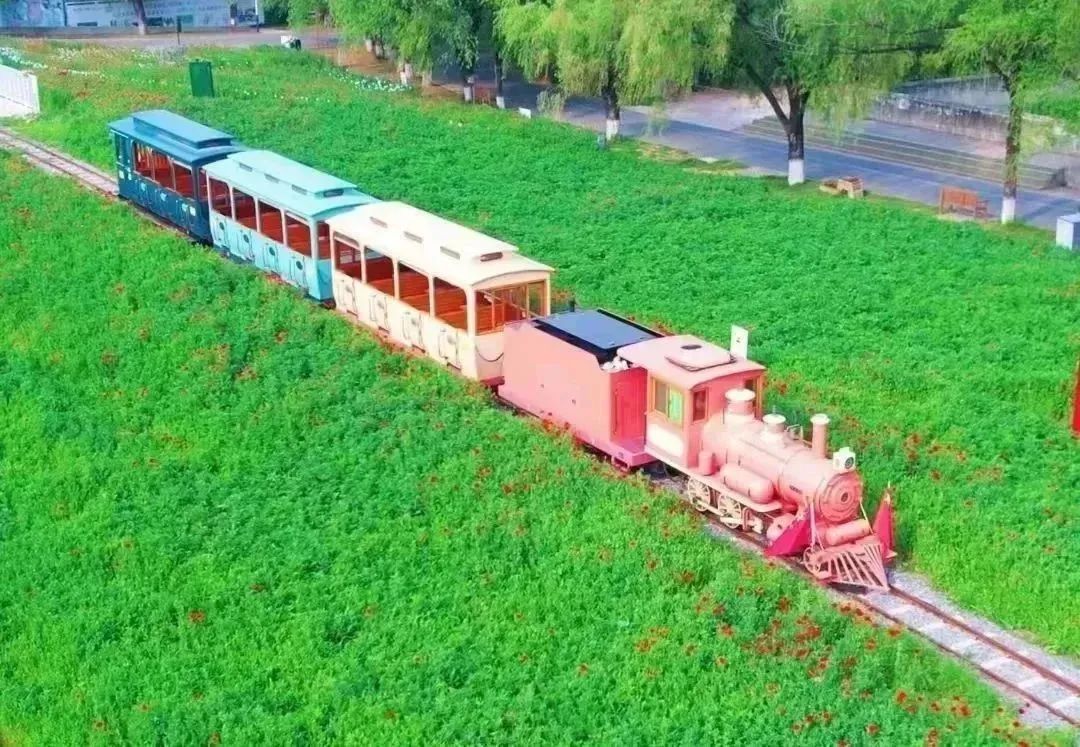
120,14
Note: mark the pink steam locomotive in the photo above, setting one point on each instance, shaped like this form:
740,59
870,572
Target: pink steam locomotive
642,397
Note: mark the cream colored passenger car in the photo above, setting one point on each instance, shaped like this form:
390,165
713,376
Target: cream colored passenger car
433,285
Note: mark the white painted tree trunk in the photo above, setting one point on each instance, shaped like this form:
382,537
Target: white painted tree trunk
407,74
796,172
425,78
500,101
468,89
1008,209
611,128
369,45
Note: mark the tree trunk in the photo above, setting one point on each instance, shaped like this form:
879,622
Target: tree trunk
380,50
140,16
792,119
796,136
1012,156
500,100
406,73
612,112
468,84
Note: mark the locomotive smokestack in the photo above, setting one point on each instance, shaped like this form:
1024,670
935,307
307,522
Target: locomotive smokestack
820,439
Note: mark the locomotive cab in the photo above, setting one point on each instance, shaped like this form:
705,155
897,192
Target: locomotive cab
688,380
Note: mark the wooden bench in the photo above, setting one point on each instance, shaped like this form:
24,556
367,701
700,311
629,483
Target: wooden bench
484,94
456,319
964,201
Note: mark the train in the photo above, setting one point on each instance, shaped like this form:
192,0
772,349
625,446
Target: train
479,307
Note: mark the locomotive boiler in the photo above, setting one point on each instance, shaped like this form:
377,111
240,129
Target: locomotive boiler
821,497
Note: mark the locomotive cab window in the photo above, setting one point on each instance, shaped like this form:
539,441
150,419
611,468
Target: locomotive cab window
346,256
701,404
667,401
219,197
413,288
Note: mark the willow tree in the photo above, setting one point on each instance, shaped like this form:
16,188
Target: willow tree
418,29
1028,44
379,21
843,52
625,51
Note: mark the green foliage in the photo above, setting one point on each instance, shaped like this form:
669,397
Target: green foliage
1062,102
946,351
642,50
228,516
418,28
1026,42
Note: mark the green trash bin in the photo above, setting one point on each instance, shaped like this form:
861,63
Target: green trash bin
202,78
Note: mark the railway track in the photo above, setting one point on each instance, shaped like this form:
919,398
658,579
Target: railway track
1047,688
55,162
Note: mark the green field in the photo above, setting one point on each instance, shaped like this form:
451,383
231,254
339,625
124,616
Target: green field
944,351
226,515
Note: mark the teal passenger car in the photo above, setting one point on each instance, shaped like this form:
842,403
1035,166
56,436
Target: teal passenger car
159,162
271,211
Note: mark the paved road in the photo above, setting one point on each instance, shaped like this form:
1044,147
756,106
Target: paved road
1040,208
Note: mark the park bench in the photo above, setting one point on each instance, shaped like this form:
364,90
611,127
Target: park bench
484,94
964,201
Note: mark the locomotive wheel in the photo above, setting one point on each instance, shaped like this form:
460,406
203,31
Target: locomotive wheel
752,522
699,494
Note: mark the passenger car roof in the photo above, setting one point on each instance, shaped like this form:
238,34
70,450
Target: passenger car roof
287,184
176,136
435,246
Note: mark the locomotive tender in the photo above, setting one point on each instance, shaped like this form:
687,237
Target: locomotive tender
478,306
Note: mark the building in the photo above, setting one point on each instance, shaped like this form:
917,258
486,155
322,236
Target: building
121,14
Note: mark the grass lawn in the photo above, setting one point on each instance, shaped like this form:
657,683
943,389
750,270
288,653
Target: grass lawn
226,515
944,351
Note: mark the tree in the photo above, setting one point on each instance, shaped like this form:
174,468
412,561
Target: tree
844,52
1027,44
418,28
621,50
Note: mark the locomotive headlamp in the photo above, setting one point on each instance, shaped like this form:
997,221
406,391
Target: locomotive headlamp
844,459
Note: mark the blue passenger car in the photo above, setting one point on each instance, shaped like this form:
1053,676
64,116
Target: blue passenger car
271,211
159,161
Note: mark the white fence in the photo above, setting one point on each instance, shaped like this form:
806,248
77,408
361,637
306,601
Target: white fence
18,92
